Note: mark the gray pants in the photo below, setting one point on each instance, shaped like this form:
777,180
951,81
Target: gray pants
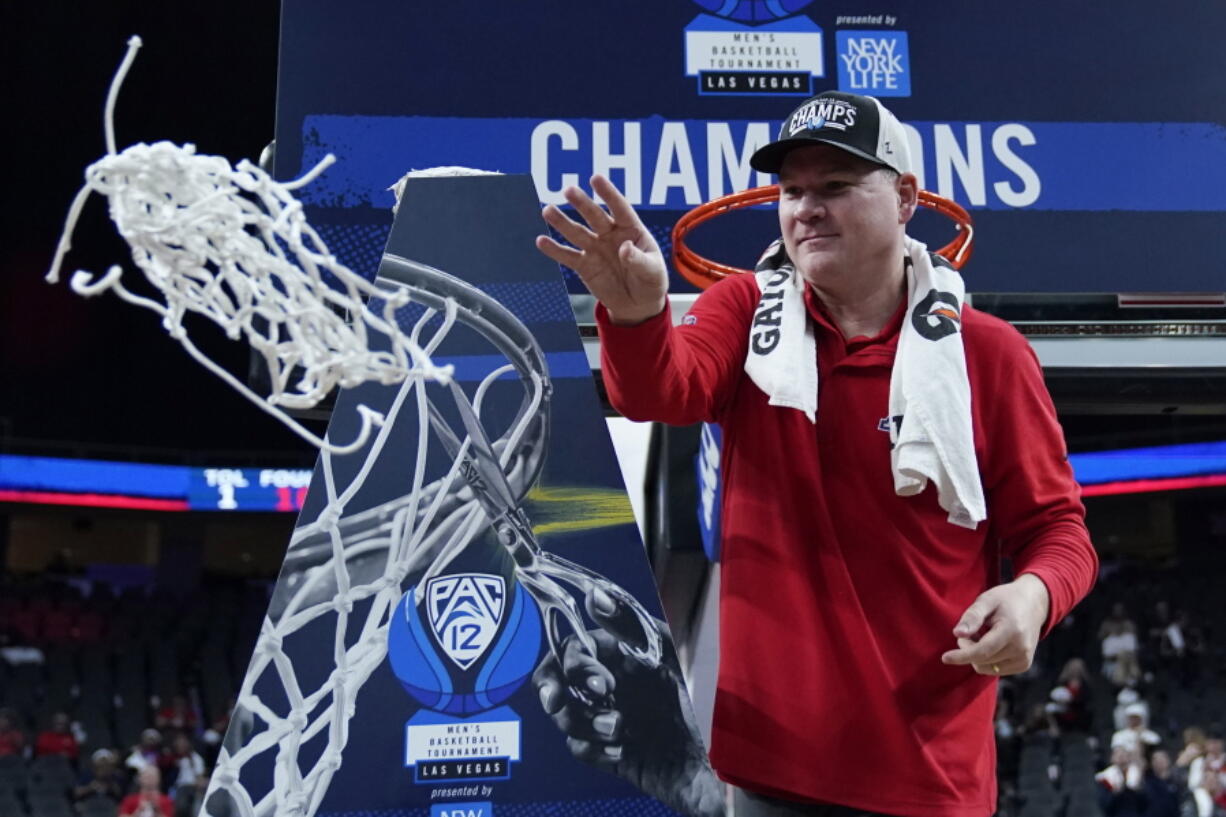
750,804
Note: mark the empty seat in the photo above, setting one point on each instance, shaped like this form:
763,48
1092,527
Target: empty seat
10,806
97,807
14,778
50,771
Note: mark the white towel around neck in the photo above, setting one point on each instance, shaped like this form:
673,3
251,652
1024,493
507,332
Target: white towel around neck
930,395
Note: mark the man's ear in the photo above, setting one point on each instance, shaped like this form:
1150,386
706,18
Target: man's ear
908,196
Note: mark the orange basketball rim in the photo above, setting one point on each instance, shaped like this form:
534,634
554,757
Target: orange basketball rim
702,272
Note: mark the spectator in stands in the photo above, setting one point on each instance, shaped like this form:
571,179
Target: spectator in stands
102,780
1160,619
1180,648
1129,697
12,739
1209,764
146,753
1193,747
1038,721
1206,799
177,715
1118,620
1135,738
189,772
1120,785
147,800
1162,789
1119,648
1070,698
59,739
185,763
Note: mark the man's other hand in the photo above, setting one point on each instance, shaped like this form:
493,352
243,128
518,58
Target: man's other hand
998,633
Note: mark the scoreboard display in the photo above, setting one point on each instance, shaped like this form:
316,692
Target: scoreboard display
149,486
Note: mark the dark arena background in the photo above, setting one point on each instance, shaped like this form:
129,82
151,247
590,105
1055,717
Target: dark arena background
145,508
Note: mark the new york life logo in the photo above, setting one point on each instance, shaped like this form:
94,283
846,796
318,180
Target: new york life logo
876,63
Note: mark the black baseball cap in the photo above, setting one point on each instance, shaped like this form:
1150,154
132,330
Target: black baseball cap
860,125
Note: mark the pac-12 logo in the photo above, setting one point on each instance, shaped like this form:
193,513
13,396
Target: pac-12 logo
753,11
467,644
465,612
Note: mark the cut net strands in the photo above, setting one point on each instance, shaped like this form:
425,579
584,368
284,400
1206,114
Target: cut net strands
231,244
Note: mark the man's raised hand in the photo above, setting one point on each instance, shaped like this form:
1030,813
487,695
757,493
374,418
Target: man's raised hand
615,255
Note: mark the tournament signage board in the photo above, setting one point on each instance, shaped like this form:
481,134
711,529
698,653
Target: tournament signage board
1087,141
466,622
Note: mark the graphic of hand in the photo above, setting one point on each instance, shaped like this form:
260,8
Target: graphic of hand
640,726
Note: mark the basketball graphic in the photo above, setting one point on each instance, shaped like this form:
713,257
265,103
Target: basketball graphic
753,11
470,643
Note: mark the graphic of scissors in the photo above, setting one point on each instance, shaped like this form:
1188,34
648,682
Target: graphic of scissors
537,570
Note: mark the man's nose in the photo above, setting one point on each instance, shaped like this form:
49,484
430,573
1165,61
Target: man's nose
811,206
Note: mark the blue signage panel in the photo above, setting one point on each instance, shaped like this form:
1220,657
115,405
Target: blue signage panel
466,622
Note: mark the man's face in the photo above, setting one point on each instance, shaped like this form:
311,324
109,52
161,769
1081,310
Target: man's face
841,215
1161,763
149,778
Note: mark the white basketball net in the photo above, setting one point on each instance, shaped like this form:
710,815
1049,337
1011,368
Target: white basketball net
232,245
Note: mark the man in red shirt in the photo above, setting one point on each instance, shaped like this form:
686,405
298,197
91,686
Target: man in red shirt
148,799
860,629
58,740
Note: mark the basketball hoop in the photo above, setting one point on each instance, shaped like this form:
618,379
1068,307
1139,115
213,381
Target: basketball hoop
702,272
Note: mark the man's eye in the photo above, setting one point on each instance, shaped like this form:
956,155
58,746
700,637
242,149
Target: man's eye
792,192
835,185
